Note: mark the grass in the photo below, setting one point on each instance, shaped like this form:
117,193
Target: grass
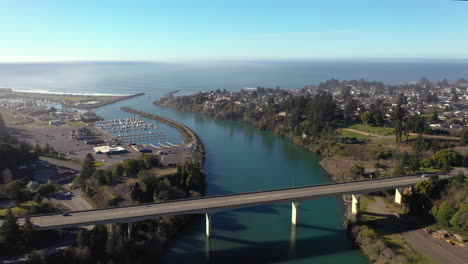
385,131
351,134
75,123
9,119
429,170
19,210
99,163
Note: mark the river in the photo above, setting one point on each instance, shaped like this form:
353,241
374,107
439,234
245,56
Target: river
240,158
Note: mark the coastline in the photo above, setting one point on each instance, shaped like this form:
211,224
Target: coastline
64,98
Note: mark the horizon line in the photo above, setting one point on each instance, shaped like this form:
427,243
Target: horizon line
77,61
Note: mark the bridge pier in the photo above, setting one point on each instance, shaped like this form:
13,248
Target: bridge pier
355,204
295,209
398,195
130,229
208,225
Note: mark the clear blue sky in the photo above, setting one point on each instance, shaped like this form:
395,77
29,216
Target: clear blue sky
49,30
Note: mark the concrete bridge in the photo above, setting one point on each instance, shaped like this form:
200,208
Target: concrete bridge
212,204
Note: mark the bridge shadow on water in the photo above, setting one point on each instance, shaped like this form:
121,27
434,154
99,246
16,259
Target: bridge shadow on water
262,252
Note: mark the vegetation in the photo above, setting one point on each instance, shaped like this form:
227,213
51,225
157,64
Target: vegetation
385,131
13,238
13,152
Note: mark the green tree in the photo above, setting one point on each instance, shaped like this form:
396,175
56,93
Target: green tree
413,163
131,166
84,239
149,161
101,177
89,167
460,219
28,232
10,232
368,118
464,136
443,159
17,192
119,170
444,213
45,189
136,193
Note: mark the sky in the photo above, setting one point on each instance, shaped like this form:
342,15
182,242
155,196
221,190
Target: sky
134,30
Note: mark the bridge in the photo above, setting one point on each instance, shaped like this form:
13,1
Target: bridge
212,204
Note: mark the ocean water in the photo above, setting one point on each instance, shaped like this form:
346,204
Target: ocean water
158,78
239,158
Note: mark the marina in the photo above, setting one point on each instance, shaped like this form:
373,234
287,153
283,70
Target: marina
137,127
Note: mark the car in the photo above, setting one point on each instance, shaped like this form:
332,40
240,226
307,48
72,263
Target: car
424,176
66,214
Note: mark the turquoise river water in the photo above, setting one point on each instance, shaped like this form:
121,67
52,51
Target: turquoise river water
240,158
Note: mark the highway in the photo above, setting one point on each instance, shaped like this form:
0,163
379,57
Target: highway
213,204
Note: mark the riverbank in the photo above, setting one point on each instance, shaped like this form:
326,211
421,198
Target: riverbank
343,162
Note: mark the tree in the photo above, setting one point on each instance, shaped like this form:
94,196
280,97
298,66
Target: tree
136,193
413,163
131,166
350,106
368,118
45,189
460,219
444,213
398,121
89,167
2,122
28,231
464,136
443,158
10,232
84,239
17,192
119,170
101,177
149,161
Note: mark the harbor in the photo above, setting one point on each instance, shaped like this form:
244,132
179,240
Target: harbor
137,131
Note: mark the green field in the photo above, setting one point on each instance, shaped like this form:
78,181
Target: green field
351,134
19,210
384,131
9,119
76,123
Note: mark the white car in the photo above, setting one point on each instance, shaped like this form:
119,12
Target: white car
424,176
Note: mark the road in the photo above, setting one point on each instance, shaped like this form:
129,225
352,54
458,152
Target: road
215,203
74,202
436,250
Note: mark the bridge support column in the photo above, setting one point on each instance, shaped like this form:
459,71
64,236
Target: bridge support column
355,204
398,195
295,209
208,225
130,229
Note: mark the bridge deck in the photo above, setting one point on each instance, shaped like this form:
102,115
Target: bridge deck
215,203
